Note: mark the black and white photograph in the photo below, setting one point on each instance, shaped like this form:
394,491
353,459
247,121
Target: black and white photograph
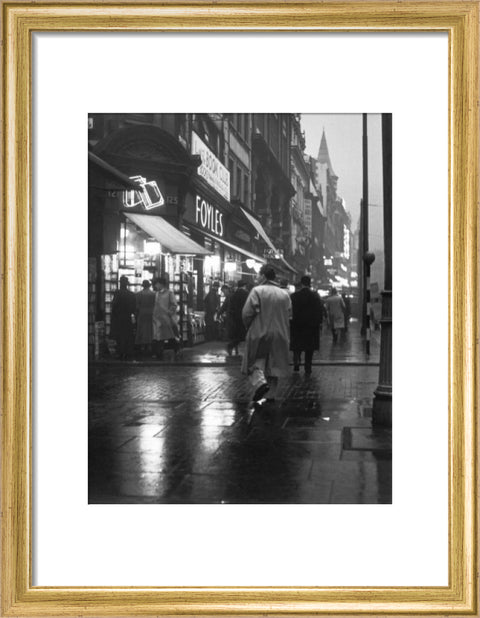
239,308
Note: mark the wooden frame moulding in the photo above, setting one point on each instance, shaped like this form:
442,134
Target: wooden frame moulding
460,20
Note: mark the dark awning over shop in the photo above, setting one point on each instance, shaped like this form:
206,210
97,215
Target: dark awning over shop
168,236
230,245
112,172
259,228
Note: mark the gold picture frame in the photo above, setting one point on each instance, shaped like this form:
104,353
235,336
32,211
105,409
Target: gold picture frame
460,19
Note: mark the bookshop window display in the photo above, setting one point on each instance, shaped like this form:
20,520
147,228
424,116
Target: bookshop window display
141,257
182,276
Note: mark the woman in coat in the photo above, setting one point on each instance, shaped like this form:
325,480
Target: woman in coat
305,325
266,315
164,325
145,303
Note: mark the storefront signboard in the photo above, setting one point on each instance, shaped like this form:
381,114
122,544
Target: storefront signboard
208,217
211,169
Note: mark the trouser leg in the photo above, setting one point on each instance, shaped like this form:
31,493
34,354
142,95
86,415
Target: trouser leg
158,347
308,361
296,360
176,347
273,384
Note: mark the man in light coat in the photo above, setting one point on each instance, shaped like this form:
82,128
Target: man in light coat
266,314
336,313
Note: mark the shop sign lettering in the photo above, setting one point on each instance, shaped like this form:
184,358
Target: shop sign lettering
211,168
208,217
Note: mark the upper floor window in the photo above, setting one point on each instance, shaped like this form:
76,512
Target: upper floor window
246,127
245,190
238,192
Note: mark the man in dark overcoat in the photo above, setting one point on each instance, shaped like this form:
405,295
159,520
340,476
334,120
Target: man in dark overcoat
121,327
212,306
236,327
305,324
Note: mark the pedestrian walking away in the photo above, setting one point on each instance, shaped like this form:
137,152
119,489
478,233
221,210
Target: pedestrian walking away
164,326
305,324
223,321
236,328
266,315
145,301
212,306
123,314
335,311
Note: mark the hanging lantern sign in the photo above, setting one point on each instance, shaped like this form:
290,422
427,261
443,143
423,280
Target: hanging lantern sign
148,194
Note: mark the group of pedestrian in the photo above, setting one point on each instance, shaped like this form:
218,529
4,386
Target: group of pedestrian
278,323
272,323
146,320
223,320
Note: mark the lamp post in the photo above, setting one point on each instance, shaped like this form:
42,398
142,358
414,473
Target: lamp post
382,403
368,259
364,220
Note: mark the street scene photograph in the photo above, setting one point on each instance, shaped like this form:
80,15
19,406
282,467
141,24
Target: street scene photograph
239,308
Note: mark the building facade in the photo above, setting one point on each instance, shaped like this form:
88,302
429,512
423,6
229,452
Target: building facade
197,198
300,204
271,185
337,233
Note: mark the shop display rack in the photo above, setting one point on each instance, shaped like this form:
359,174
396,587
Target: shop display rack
180,290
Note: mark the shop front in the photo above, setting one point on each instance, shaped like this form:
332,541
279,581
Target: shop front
214,223
138,225
103,180
153,247
270,252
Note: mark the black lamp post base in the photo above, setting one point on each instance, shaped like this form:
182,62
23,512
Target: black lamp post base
382,407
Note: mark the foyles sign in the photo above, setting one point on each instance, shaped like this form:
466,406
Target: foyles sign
211,169
208,217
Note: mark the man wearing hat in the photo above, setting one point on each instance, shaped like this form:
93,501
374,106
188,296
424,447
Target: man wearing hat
266,314
305,325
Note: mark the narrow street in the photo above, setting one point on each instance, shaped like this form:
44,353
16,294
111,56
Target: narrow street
185,433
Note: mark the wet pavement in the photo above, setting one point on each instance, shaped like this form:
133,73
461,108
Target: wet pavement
186,433
350,349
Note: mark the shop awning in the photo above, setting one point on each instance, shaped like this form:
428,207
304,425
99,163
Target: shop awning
287,265
230,245
168,236
259,228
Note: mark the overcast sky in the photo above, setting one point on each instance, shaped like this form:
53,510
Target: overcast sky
344,140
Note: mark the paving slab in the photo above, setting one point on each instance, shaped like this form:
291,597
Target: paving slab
181,436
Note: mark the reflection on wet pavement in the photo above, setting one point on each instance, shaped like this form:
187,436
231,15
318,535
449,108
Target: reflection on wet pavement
189,435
